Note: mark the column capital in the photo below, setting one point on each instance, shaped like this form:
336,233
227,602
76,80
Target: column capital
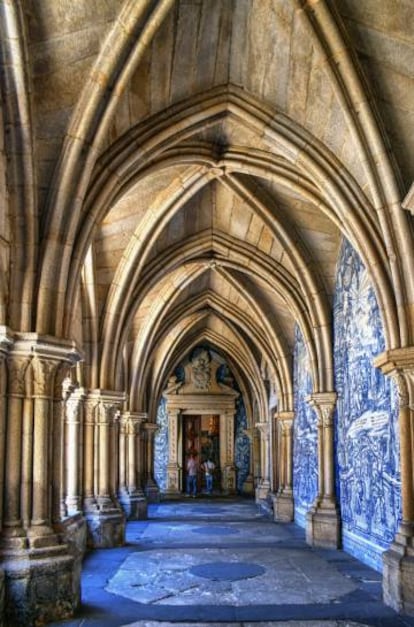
150,427
263,427
283,416
399,365
324,404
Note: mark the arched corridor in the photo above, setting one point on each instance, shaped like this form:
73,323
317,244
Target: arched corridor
206,262
223,561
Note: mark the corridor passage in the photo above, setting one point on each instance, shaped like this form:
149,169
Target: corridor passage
225,562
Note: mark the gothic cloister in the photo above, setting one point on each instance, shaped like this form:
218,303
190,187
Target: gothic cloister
206,247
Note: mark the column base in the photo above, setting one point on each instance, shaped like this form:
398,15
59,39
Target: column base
228,480
174,479
73,532
248,486
262,491
283,509
106,529
134,506
152,492
323,526
398,573
40,587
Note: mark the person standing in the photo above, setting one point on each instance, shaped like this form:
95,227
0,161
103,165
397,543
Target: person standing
209,467
192,476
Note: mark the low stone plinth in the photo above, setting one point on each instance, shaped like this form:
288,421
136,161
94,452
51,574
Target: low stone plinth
106,529
39,587
323,526
74,534
398,575
282,507
134,507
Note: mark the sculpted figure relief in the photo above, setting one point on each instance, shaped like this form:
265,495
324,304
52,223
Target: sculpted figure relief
201,370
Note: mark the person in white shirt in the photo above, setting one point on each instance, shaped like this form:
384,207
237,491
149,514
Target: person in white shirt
209,467
192,468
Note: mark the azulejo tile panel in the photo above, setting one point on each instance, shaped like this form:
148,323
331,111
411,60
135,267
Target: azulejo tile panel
305,454
367,442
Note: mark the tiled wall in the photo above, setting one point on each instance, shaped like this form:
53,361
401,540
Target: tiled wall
367,444
305,457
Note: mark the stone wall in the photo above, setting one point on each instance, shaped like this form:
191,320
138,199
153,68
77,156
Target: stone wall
367,442
305,457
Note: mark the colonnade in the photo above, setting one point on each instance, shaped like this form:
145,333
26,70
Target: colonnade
76,466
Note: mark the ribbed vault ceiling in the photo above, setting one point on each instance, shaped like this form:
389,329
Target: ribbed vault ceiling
201,161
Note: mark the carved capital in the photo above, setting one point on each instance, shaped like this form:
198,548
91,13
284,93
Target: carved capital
263,427
150,429
44,371
324,405
16,369
399,364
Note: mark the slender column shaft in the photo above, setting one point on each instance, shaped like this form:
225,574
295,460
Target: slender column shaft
3,407
289,455
13,458
131,459
40,462
73,452
407,487
27,466
321,458
122,455
88,451
329,459
103,477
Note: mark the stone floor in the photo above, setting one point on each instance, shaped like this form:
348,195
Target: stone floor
224,562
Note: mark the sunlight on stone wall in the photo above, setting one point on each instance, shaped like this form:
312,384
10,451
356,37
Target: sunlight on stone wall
305,457
367,443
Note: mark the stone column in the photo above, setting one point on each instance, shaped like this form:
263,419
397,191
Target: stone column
152,491
263,489
283,501
174,467
228,468
398,560
33,556
74,410
104,515
323,527
131,495
248,485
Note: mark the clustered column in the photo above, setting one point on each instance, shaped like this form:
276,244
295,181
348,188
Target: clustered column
32,427
131,495
323,520
283,500
263,489
228,470
398,573
105,518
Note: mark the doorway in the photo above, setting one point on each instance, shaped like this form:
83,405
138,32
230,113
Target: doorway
201,437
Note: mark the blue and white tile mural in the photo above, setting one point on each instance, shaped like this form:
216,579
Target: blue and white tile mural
242,444
161,446
305,442
367,443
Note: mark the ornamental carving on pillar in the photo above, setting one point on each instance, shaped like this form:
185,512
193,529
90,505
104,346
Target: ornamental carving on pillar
43,375
16,367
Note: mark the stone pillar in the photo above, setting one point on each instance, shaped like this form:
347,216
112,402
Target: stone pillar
174,467
283,500
248,485
151,489
398,560
323,526
103,513
74,414
228,468
131,495
40,584
263,489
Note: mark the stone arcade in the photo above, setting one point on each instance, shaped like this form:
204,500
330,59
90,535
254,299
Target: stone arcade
206,211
